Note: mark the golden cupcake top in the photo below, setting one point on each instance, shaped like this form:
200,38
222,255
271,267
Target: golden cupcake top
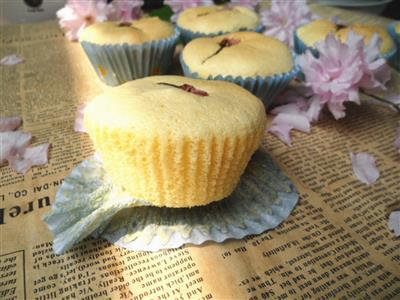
367,31
213,19
176,107
246,54
135,32
318,30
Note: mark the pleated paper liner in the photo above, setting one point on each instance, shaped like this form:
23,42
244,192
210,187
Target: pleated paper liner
188,35
266,88
116,64
395,60
88,203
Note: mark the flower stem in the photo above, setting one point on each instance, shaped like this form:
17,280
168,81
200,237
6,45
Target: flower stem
396,106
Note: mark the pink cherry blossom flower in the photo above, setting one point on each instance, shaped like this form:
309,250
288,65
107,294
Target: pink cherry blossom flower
284,17
364,167
127,10
342,69
11,60
78,14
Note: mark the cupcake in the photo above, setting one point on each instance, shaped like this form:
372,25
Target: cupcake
216,20
175,141
394,31
308,35
261,64
387,47
120,52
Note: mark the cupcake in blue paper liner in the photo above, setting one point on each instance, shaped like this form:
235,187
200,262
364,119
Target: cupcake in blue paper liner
124,51
209,21
261,64
307,36
394,31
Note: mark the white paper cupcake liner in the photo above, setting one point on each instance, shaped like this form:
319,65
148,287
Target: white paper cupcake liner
395,60
188,35
266,88
116,64
88,203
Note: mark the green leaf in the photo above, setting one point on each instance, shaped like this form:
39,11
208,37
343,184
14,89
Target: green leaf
164,13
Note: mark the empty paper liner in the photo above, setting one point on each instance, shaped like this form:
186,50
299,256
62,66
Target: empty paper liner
88,203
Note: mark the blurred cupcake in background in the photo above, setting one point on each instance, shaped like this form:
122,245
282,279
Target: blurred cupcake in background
124,51
216,20
307,36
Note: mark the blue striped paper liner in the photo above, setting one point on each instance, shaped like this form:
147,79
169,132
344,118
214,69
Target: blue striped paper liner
188,35
395,60
116,64
266,88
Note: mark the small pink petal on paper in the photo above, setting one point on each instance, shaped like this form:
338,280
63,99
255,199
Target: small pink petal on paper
364,167
295,121
80,114
282,132
10,60
10,124
32,156
12,143
394,222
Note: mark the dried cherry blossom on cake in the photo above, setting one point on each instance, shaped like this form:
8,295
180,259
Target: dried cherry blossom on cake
284,17
14,147
76,15
364,167
394,222
11,60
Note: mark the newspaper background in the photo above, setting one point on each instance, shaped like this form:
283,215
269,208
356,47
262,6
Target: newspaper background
336,244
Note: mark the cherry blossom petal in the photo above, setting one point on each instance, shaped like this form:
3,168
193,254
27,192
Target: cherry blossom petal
10,124
12,143
282,131
12,59
364,167
32,156
394,222
295,121
78,126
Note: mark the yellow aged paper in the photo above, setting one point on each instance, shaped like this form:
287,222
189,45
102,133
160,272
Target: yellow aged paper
335,244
